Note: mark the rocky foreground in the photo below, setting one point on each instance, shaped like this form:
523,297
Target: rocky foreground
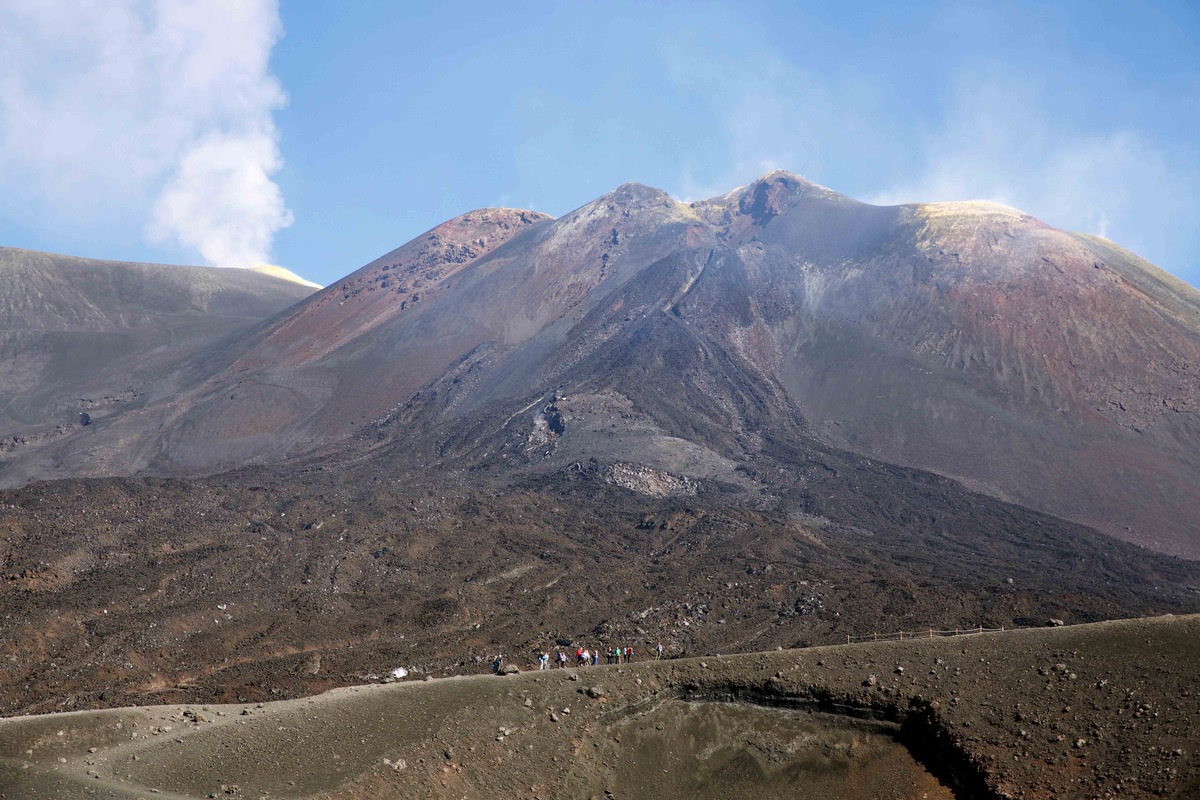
1100,710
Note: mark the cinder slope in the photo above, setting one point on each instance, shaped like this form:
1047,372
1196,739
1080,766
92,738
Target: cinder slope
490,287
103,337
1079,712
333,363
128,591
720,340
1049,369
1045,368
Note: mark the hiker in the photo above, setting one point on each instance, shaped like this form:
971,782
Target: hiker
596,657
628,655
658,651
579,656
562,659
543,661
497,664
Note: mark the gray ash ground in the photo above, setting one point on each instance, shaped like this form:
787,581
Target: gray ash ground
1092,711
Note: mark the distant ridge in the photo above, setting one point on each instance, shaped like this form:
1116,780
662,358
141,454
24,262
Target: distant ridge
284,274
107,337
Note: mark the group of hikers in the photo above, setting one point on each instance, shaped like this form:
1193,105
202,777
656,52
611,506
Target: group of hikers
584,657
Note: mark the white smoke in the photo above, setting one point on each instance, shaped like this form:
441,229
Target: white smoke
990,138
222,200
156,109
998,143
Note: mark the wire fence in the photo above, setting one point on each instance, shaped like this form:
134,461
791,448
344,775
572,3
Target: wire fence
931,633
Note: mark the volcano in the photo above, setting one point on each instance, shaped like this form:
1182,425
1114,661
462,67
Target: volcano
775,418
712,341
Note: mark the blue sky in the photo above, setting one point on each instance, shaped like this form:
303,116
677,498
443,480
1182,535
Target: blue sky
321,135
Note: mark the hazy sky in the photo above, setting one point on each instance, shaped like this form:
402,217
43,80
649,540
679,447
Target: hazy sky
321,135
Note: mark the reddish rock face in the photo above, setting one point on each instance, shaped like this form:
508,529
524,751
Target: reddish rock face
326,367
720,339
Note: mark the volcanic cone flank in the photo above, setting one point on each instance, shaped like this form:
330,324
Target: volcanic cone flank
1049,369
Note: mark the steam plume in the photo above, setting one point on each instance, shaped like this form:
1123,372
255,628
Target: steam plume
160,109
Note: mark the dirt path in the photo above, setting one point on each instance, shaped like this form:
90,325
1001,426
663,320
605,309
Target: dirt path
1082,711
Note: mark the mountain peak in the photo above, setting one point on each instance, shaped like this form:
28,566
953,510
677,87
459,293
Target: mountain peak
626,200
499,215
967,221
636,192
797,183
785,175
782,186
413,269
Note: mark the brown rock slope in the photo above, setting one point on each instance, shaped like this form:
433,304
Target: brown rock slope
132,591
106,339
1091,711
344,357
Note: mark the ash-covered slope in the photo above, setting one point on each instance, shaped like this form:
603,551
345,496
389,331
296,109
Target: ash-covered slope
346,355
1049,369
488,284
669,344
105,338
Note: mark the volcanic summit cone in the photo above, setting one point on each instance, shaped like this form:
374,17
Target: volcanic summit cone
717,340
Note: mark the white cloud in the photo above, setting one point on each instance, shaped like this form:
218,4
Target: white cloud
106,105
